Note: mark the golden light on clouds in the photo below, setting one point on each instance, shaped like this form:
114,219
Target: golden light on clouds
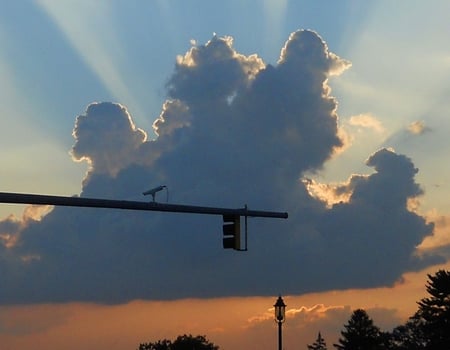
37,212
10,235
441,234
328,193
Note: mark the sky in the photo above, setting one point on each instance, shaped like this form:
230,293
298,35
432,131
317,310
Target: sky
335,112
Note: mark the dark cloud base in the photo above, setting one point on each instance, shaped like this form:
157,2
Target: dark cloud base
233,131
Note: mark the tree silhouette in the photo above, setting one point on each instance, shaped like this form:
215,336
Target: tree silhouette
409,336
429,328
360,333
182,342
319,344
434,312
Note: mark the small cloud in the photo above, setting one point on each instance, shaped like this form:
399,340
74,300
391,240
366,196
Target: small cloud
266,316
418,128
318,313
367,121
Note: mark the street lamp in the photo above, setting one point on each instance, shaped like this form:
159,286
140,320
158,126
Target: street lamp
280,308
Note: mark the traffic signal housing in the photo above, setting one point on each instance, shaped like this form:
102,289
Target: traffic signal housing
232,232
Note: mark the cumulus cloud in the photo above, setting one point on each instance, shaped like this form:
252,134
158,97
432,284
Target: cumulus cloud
233,131
377,211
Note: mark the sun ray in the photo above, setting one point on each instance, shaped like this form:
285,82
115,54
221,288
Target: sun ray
89,28
275,12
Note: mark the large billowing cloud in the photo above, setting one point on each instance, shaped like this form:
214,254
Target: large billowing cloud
233,131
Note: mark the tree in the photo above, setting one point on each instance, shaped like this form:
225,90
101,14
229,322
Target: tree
434,311
409,336
182,342
319,344
360,333
159,345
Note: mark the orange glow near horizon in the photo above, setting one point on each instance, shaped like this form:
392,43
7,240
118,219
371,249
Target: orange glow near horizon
228,322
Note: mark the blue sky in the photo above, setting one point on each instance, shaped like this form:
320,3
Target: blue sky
368,83
77,53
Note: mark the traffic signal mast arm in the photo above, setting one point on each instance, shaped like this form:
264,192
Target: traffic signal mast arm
24,198
231,217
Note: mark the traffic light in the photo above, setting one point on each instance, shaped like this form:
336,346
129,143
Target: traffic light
232,232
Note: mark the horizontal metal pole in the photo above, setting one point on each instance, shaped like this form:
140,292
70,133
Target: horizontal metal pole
25,198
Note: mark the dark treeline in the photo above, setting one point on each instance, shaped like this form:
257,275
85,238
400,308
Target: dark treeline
427,329
183,342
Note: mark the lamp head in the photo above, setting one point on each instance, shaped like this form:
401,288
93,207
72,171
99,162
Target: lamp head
280,308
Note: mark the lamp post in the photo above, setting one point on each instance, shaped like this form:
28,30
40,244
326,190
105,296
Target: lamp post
280,308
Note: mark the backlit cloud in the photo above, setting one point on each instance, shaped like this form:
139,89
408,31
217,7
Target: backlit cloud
107,138
233,131
11,226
